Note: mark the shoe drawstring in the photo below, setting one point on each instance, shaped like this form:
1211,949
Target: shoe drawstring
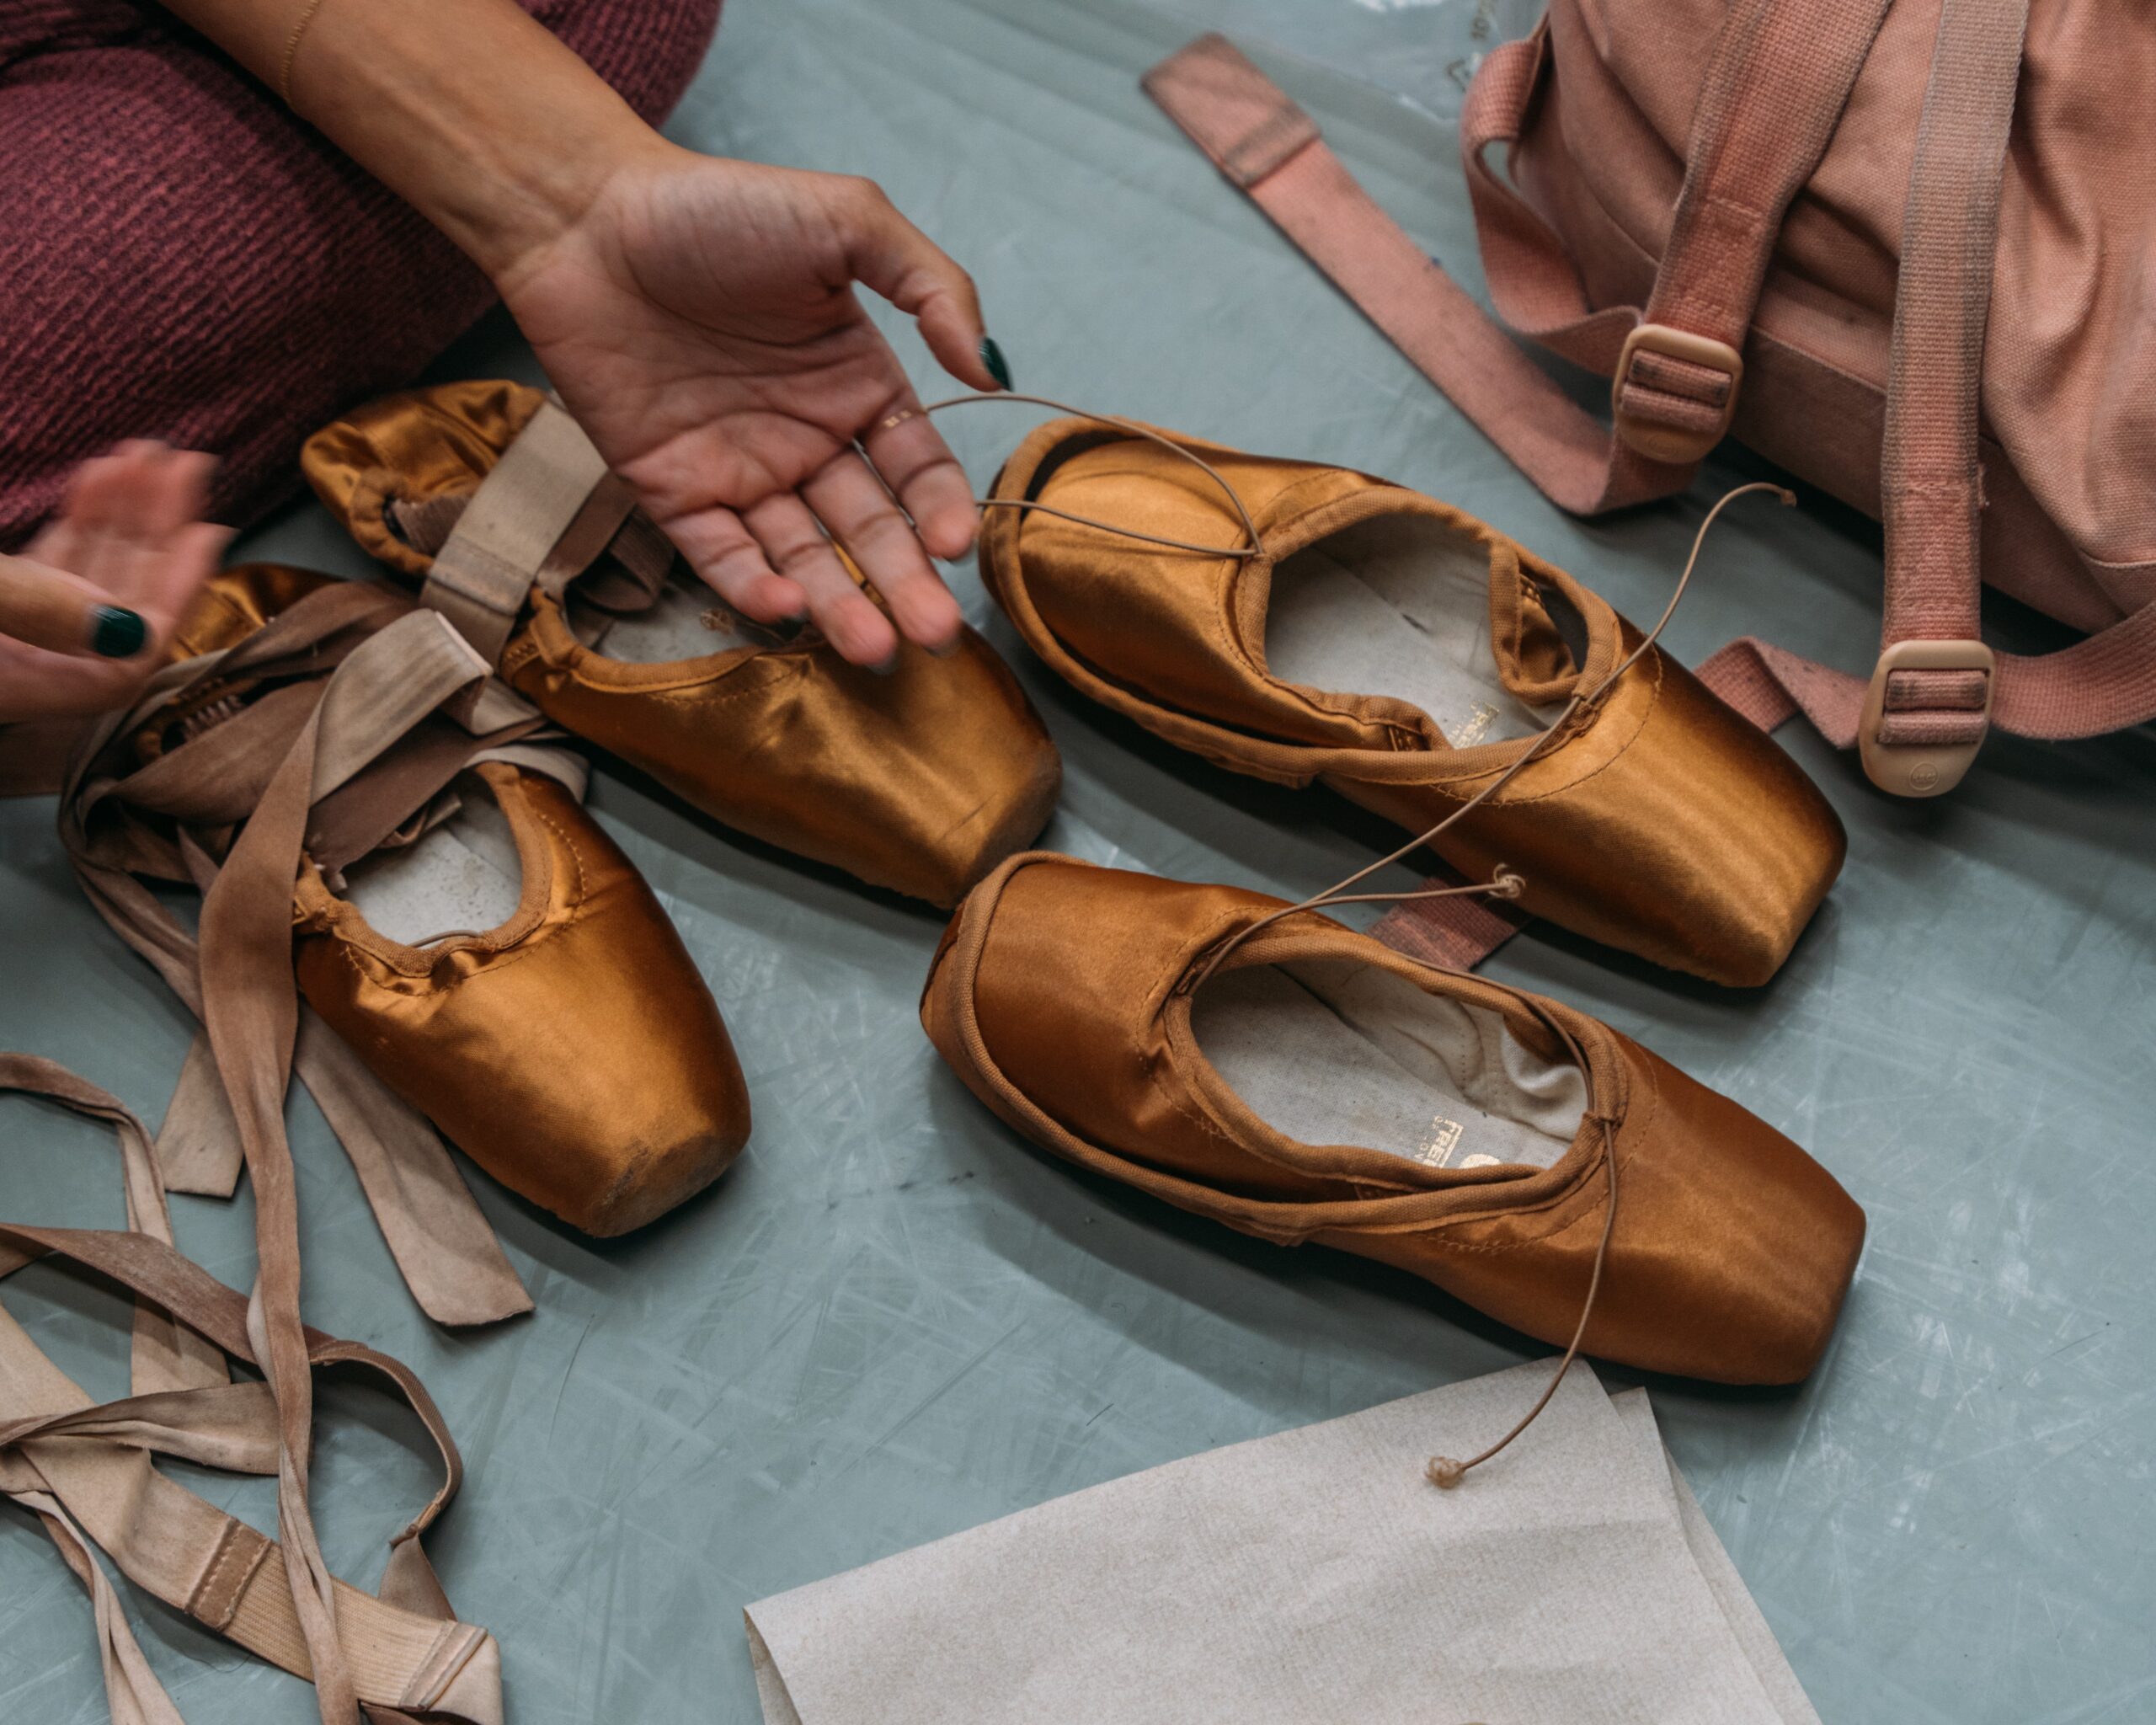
1252,546
1442,1471
1504,882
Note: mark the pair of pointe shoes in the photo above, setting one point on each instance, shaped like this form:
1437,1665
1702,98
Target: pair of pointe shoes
1301,1082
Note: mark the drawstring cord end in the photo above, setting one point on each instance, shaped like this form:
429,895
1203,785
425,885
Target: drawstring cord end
1442,1471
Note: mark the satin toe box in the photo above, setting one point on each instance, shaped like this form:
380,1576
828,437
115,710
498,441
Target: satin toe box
574,1053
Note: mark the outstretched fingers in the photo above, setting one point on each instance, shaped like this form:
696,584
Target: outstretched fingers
912,459
796,545
112,574
729,560
892,257
859,512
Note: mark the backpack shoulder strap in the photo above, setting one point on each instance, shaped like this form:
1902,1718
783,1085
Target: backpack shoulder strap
1937,689
1775,91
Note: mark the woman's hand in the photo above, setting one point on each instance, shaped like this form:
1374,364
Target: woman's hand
87,609
698,315
699,318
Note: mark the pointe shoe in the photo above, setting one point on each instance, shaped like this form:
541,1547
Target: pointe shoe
500,965
920,780
1404,654
1321,1086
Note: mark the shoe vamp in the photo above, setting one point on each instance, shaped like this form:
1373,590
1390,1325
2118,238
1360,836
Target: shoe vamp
1074,976
1164,623
908,780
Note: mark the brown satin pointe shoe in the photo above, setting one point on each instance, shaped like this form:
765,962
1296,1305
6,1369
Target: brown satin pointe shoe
1319,1085
920,780
1405,654
503,967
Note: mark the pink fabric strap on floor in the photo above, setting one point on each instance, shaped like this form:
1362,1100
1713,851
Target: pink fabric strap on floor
1271,149
1453,934
1770,684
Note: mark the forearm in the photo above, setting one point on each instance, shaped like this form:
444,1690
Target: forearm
469,110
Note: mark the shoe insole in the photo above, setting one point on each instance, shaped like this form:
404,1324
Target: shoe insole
1331,1051
463,874
688,621
1398,605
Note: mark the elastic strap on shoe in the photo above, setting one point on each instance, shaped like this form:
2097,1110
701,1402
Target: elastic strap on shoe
543,514
370,731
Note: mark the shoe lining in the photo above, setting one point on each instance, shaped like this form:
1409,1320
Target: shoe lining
1398,605
688,621
463,873
1334,1051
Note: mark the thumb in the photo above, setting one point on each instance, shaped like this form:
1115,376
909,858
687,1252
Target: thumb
43,606
891,256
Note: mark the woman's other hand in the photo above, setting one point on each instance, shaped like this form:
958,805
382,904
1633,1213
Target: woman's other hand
86,611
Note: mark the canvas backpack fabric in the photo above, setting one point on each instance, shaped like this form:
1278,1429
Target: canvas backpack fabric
1903,247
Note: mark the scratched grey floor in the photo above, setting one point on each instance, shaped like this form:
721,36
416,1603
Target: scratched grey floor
893,1320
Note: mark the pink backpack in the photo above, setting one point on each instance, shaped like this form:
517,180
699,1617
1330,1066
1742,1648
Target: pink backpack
1829,228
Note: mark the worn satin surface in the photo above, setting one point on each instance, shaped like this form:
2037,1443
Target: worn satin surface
1661,824
574,1052
1064,989
920,780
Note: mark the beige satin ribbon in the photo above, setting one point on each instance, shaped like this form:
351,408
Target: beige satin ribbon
86,1471
113,821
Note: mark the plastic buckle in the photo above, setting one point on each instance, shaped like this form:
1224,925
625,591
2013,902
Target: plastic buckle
1673,444
1921,769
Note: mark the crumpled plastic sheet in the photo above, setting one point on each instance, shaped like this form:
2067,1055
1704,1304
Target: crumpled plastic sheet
894,1320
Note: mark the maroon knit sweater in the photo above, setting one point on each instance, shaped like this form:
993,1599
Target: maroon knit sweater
181,258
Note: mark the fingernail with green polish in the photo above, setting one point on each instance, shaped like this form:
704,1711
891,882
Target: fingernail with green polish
116,632
991,356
